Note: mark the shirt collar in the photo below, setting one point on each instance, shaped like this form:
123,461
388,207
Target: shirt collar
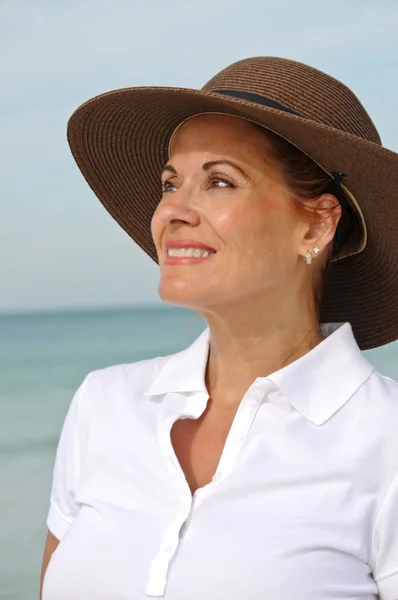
317,385
185,370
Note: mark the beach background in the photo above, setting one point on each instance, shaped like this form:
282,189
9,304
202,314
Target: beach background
76,294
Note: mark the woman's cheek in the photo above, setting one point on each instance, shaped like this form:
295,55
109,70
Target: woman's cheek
232,220
157,231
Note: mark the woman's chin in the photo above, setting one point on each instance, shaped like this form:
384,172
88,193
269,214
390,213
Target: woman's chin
180,294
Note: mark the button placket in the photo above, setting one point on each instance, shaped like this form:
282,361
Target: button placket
239,429
257,394
157,579
239,436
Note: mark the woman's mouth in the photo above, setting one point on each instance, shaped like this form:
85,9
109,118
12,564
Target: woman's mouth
187,255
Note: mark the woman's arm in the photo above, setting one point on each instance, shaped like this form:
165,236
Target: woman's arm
50,545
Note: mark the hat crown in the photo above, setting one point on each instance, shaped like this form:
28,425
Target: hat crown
307,91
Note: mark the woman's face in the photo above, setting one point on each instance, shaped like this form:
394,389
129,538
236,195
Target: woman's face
221,191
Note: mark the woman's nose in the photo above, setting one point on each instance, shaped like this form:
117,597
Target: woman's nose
177,208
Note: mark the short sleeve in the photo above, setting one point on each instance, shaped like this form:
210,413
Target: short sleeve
63,506
385,546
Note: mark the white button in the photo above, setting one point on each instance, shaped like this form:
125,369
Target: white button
239,436
257,394
169,549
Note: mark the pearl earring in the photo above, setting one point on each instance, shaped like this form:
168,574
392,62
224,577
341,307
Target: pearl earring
308,258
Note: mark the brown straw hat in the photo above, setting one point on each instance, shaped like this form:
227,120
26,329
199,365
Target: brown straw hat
120,142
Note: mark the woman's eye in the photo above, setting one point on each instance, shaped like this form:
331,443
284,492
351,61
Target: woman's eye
220,182
167,186
214,182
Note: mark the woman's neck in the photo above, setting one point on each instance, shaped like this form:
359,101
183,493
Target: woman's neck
254,346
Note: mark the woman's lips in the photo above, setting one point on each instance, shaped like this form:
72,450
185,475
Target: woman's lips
186,260
187,243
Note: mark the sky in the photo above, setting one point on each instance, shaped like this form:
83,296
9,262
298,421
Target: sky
59,248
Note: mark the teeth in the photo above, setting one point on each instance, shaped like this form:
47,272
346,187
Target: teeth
189,252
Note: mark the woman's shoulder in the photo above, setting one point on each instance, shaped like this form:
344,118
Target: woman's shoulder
382,388
116,394
378,407
377,401
133,378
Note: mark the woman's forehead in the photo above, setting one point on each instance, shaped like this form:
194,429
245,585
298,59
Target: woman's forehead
228,125
219,134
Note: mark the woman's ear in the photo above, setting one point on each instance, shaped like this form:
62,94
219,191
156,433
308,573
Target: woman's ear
324,215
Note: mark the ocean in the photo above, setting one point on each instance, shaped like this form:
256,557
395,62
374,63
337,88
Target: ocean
43,359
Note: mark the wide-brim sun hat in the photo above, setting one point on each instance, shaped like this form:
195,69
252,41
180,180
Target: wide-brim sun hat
120,141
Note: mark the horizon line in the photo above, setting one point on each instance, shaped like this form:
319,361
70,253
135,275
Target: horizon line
16,312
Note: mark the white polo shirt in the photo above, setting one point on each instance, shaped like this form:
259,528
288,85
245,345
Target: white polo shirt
303,505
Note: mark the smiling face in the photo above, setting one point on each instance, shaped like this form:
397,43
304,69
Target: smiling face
221,192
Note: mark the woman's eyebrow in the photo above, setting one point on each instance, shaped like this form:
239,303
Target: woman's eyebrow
169,168
207,166
213,163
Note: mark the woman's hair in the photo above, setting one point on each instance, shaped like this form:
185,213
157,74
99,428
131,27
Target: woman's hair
307,181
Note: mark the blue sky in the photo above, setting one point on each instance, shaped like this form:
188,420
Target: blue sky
58,246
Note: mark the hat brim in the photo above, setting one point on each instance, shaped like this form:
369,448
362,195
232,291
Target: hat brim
120,143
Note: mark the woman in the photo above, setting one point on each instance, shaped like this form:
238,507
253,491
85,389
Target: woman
262,461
